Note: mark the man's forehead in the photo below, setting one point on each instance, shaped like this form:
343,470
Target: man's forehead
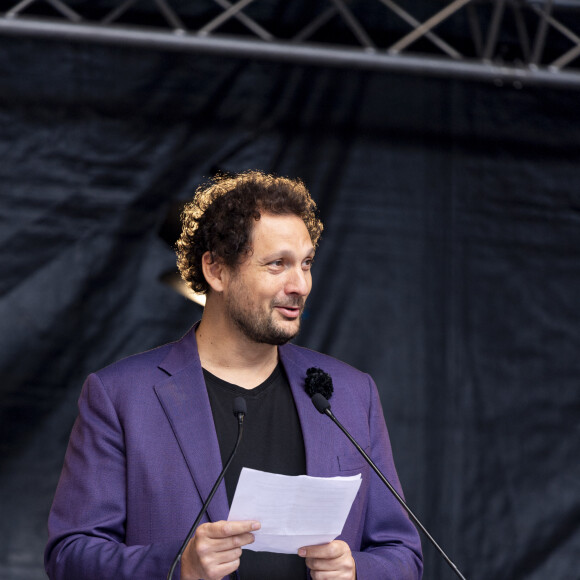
281,232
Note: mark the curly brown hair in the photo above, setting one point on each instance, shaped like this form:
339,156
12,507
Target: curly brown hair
221,216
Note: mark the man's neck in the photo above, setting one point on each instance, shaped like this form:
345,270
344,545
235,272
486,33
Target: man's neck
228,354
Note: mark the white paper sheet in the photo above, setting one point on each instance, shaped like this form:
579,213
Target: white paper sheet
294,511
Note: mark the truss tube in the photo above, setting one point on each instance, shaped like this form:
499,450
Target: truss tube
305,54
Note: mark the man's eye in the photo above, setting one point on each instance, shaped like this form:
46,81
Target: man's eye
276,263
307,264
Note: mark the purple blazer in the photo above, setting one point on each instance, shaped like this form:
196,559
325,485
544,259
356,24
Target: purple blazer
144,452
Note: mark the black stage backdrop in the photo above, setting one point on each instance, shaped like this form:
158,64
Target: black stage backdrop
449,269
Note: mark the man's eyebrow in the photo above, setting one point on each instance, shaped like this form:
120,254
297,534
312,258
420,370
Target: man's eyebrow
283,253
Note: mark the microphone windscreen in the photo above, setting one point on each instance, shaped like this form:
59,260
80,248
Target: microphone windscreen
320,402
239,406
317,381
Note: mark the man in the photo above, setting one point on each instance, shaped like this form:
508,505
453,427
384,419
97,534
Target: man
152,429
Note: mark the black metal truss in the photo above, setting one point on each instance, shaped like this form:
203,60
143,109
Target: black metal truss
514,42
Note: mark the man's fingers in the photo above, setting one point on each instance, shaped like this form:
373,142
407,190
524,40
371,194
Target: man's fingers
332,560
223,529
223,546
233,542
320,564
218,571
220,558
216,548
223,537
331,550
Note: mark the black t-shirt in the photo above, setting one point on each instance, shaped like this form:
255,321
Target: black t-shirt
272,441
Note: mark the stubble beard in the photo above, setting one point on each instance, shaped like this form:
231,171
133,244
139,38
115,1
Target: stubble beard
262,328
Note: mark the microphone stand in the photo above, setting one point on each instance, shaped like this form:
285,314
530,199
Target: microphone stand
323,406
239,411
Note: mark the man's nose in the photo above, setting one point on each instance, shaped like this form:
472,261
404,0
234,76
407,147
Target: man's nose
298,282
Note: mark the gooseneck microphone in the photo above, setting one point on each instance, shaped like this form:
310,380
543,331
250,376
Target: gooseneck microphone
239,409
323,406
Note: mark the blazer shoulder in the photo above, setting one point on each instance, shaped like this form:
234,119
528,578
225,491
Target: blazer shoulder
154,364
135,363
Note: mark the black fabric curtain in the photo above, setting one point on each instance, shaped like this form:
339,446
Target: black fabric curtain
449,269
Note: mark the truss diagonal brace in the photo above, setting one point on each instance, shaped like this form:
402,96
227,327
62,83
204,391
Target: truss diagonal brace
224,16
59,6
404,15
571,54
428,25
247,22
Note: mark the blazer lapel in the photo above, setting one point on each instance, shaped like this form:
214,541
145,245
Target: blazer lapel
315,427
184,399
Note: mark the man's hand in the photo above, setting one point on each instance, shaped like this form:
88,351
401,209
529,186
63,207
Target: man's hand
332,561
215,549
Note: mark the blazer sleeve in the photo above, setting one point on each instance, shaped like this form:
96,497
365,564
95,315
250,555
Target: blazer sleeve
88,517
390,546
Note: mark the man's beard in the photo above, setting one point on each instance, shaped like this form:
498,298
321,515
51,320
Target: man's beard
260,327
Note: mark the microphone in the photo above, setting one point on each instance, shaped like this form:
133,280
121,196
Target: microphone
323,406
239,409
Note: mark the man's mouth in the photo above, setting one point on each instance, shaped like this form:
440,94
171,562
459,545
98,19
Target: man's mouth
289,310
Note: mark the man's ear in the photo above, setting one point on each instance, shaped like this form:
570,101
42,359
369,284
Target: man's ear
213,271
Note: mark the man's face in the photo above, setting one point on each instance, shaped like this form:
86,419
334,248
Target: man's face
265,295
